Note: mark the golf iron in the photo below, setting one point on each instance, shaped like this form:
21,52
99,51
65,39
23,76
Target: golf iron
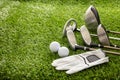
92,19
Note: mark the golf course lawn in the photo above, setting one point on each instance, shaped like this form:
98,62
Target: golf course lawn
27,27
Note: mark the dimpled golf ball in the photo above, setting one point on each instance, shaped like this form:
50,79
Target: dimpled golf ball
63,52
54,46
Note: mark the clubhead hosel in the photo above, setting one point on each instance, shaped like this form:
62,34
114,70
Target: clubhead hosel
69,28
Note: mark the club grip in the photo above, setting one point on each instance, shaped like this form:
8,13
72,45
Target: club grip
81,47
96,45
114,32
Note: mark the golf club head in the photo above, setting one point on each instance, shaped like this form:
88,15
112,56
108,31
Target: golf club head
71,39
85,35
92,19
71,23
102,35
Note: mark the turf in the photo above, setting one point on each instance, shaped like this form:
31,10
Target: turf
28,27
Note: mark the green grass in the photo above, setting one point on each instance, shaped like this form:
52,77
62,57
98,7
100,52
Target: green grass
28,27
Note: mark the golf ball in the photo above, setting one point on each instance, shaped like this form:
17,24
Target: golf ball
54,46
63,52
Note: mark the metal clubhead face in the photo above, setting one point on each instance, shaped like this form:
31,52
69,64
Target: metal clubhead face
71,38
69,25
85,35
102,35
92,19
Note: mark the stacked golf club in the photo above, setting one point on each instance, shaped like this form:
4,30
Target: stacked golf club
68,31
69,28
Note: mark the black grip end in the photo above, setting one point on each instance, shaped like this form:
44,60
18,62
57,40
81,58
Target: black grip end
81,47
96,45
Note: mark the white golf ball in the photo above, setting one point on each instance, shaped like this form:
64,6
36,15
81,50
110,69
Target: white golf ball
63,52
54,46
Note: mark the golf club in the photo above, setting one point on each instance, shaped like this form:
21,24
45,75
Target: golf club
92,19
70,24
73,24
88,41
103,37
73,43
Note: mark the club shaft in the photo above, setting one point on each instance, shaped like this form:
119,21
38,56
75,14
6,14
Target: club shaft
101,46
115,48
91,49
114,32
114,38
111,52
